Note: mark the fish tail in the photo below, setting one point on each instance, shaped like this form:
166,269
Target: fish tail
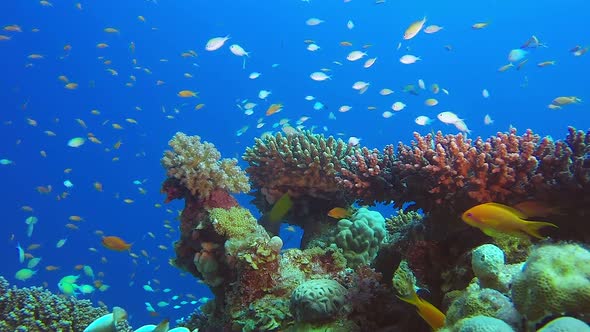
532,228
411,298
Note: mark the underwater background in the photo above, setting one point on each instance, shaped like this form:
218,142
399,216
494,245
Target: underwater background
129,61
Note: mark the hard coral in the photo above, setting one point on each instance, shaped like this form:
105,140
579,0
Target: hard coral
37,309
555,279
360,237
301,163
235,223
319,300
199,167
460,172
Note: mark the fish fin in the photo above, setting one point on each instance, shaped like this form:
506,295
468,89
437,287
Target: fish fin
164,326
490,232
532,228
515,211
411,298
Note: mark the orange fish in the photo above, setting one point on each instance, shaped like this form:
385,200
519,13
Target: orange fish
52,268
431,315
274,108
187,94
494,218
339,213
536,209
115,243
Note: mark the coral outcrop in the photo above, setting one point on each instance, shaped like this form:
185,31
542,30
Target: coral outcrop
37,309
461,172
554,280
199,168
339,280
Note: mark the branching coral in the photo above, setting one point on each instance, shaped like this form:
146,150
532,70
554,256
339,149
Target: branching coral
461,172
301,163
37,309
198,167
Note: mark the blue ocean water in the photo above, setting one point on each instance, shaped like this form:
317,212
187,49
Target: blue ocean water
460,59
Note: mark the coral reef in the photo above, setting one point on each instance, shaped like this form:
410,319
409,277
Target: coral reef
301,164
555,279
37,309
340,279
460,172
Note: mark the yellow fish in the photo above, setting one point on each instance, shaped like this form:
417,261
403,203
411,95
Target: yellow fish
480,25
494,218
281,208
187,94
274,108
414,28
431,315
340,213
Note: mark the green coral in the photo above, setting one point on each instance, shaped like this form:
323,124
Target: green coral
554,280
483,302
265,314
404,280
199,167
235,222
319,300
400,222
37,309
515,248
360,237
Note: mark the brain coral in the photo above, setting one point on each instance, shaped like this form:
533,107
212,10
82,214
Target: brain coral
319,300
197,165
482,324
555,279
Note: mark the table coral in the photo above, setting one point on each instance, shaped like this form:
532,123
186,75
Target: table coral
198,167
37,309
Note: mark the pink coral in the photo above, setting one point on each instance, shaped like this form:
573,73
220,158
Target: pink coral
460,172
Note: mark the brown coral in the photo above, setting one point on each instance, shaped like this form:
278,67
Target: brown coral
37,309
301,163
